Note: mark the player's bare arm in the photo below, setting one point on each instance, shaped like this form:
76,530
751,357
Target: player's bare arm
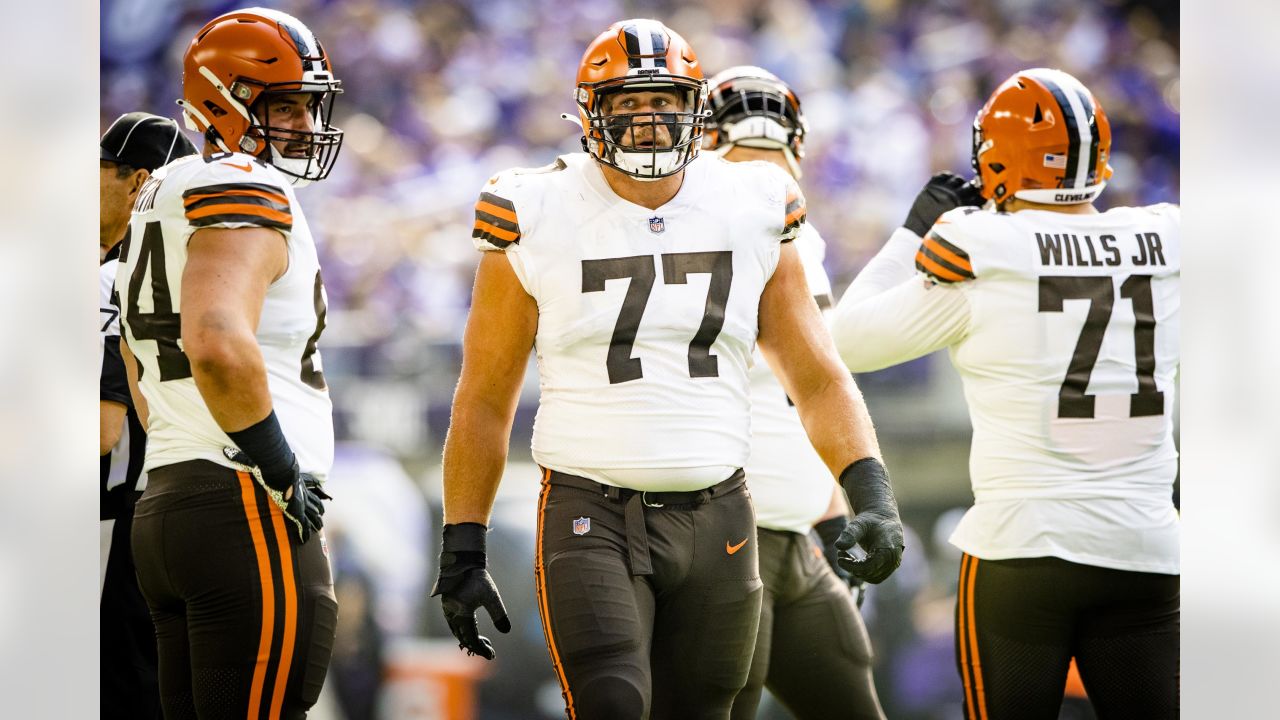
495,350
131,371
110,425
798,347
223,287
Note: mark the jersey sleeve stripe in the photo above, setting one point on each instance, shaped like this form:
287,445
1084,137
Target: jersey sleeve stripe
497,206
495,221
268,190
495,235
931,267
207,201
273,198
944,250
238,218
240,209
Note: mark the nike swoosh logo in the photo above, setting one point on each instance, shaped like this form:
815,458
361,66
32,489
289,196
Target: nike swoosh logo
245,167
731,549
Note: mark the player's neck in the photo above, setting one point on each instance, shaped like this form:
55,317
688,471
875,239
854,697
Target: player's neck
652,194
1016,204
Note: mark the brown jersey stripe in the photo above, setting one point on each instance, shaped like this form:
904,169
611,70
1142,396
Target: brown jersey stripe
942,242
508,214
246,196
926,265
498,222
486,230
796,217
215,201
794,203
268,594
245,219
240,209
290,590
963,273
234,187
935,245
540,585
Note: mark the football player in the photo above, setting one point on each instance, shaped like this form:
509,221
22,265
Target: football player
1063,324
222,305
643,273
136,144
812,650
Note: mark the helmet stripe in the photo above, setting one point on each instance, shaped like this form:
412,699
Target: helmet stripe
1078,133
1091,112
659,44
644,37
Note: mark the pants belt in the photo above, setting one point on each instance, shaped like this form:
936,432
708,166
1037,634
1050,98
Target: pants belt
635,501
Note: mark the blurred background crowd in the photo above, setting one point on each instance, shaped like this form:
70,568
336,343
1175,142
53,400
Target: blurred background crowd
441,94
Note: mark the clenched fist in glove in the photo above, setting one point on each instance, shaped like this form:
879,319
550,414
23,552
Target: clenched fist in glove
943,192
875,526
465,585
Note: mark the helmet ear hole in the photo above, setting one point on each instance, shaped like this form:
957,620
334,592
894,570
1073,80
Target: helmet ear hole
996,168
214,109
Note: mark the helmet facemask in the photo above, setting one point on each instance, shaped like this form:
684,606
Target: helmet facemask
757,112
645,145
307,155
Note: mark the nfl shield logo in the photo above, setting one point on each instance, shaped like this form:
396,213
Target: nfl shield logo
656,225
581,526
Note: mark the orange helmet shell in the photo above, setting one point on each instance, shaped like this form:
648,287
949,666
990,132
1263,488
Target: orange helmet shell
1042,137
635,55
237,57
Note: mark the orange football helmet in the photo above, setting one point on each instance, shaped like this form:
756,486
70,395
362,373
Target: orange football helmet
236,62
751,107
641,55
1042,137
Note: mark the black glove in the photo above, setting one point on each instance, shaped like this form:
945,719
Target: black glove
302,506
944,191
464,585
875,526
828,531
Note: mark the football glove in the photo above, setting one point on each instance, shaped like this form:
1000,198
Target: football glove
944,191
298,495
827,532
875,526
464,584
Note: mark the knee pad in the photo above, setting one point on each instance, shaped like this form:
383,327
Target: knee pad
609,697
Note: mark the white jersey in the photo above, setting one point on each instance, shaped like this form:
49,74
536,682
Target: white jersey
1065,332
223,191
790,484
646,318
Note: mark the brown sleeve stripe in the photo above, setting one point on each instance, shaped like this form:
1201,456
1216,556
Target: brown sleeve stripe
240,209
246,219
268,190
939,271
204,202
191,201
496,221
944,250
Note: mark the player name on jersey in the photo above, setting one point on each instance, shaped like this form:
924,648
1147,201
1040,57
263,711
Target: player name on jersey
1069,249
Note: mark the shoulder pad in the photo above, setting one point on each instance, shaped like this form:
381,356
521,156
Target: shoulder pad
236,191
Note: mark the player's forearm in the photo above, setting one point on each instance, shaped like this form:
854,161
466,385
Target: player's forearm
836,420
475,457
229,371
110,425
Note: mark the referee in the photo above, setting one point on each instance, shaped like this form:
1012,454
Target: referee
135,144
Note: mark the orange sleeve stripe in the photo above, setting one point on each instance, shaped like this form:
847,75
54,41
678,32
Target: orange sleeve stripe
936,248
278,199
236,209
937,270
496,211
485,228
795,216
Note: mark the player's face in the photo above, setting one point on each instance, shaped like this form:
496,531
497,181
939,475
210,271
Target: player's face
290,112
644,132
